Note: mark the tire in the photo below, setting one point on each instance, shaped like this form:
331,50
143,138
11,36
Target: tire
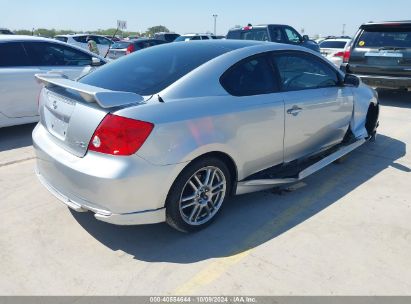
371,122
189,210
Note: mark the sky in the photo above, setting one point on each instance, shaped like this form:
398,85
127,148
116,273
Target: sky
316,17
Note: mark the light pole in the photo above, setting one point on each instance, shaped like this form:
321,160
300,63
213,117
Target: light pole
215,24
343,31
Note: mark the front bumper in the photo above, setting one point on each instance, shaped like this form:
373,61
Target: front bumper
119,190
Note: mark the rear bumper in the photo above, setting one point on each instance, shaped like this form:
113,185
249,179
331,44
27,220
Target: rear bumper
78,205
388,82
119,190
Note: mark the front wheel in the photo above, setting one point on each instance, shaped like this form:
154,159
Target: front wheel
198,194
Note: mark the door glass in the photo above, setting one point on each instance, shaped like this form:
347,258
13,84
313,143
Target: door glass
81,39
276,34
49,54
252,76
195,38
12,54
292,36
255,34
301,72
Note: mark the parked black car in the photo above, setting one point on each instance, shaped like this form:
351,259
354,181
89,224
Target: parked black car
167,37
273,32
380,54
4,31
122,48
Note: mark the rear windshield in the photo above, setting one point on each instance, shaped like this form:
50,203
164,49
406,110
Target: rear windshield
151,70
385,37
333,44
120,45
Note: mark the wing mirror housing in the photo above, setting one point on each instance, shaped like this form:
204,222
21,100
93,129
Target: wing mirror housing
306,38
351,80
96,62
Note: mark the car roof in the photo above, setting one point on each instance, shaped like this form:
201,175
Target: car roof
23,38
196,34
79,35
337,39
257,26
401,22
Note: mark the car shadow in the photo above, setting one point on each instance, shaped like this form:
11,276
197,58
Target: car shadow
395,98
16,137
250,220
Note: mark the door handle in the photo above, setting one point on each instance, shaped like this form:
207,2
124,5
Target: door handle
295,110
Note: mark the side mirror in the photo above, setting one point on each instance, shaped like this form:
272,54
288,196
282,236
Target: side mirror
95,61
306,38
351,80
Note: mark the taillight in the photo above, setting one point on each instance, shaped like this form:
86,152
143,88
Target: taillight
118,135
130,49
347,54
339,54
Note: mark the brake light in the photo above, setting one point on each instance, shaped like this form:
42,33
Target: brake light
347,54
247,28
130,49
118,135
339,54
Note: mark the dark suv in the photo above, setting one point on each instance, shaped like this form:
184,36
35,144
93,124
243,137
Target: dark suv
380,54
273,32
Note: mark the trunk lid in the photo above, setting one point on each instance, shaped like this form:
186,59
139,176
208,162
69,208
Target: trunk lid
71,111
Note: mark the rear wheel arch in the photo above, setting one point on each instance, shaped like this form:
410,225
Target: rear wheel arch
228,161
214,160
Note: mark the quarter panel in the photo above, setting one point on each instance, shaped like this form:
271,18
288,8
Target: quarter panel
249,129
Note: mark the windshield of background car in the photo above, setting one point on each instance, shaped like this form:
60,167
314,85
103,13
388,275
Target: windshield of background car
333,44
120,45
388,36
153,69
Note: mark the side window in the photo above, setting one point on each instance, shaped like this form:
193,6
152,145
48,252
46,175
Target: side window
195,38
204,38
255,34
276,35
49,54
302,72
12,54
102,40
81,39
292,35
251,76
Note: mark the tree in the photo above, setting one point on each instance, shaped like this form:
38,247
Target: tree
156,29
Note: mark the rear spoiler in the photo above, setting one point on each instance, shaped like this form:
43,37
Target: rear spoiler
105,98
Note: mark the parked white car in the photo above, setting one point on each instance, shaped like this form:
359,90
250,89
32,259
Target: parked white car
21,57
333,49
103,43
189,37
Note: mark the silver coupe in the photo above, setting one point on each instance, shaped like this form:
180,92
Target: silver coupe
168,133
